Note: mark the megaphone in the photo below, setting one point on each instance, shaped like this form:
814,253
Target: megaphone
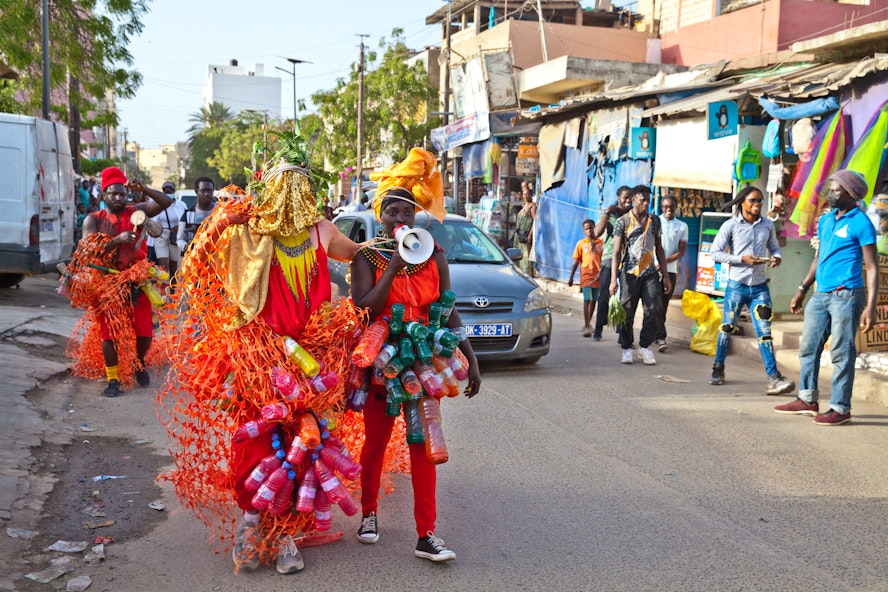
414,244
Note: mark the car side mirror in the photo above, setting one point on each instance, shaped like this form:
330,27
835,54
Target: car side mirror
514,254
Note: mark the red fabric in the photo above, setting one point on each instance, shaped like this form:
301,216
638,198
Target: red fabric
112,175
415,291
143,320
245,456
283,313
378,431
112,225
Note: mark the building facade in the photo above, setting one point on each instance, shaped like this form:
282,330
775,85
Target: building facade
240,88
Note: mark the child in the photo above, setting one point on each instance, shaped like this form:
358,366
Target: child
588,253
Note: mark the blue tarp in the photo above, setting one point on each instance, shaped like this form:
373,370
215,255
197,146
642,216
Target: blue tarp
809,109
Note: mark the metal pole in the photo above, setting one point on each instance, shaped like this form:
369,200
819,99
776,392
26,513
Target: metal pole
542,32
359,165
454,182
294,61
45,50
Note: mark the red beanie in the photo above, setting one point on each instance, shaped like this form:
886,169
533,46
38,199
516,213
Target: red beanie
112,175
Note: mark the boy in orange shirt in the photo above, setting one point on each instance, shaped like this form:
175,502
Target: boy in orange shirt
587,256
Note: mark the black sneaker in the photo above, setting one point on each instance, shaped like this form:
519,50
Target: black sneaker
112,390
432,548
142,378
368,533
718,374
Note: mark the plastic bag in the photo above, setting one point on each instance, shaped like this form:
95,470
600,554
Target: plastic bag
707,321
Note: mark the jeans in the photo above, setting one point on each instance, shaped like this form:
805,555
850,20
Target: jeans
667,296
603,298
736,296
649,290
837,314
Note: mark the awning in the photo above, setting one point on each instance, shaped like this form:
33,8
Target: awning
698,102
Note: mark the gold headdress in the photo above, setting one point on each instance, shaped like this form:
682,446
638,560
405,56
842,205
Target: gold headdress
417,174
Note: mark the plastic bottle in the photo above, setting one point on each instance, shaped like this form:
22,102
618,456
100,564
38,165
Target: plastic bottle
324,381
153,295
448,298
158,273
413,422
434,316
357,399
436,447
385,355
283,499
305,497
423,351
395,390
355,376
309,432
396,325
371,342
416,331
451,384
296,453
334,489
285,384
276,411
446,338
392,408
411,383
377,377
262,470
253,429
428,377
262,499
301,357
394,367
347,467
348,505
405,351
322,511
459,370
444,352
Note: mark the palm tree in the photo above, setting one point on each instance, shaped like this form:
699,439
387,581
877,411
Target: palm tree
213,116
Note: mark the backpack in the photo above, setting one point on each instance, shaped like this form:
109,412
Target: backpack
748,167
771,141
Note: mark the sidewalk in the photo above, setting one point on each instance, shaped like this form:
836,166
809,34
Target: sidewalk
868,386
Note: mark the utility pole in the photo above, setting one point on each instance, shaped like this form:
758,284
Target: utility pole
45,42
542,32
359,168
293,61
453,183
125,155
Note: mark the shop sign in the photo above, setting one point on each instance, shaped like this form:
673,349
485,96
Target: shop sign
722,119
528,151
642,142
527,166
474,128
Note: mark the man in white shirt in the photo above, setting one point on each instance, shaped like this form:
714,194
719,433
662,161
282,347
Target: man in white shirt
675,243
165,248
191,219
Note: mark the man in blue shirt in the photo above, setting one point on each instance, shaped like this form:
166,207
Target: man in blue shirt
841,303
750,239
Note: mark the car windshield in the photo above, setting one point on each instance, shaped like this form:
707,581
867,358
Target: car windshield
465,243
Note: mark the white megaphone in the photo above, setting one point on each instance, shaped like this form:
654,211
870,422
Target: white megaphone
414,244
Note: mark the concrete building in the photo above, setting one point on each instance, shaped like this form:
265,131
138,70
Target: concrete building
240,88
164,163
706,31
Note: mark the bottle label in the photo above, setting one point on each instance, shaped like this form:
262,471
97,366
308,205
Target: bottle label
252,429
330,484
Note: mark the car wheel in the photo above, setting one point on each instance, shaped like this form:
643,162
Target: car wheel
8,280
529,361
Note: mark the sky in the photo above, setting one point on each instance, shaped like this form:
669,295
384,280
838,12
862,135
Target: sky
181,37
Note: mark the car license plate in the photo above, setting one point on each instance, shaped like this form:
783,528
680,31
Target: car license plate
489,330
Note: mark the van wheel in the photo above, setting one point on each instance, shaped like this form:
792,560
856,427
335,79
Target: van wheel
8,280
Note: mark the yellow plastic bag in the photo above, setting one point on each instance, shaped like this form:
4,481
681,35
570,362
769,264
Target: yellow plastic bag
707,321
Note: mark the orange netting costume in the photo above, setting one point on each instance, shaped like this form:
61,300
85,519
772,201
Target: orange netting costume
108,292
226,360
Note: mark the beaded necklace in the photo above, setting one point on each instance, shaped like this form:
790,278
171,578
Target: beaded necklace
380,260
298,263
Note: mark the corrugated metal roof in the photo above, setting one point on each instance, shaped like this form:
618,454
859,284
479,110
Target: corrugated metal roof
695,103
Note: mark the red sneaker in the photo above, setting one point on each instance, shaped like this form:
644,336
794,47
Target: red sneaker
832,418
798,407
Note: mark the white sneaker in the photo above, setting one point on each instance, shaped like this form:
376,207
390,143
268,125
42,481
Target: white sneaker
647,356
288,558
627,357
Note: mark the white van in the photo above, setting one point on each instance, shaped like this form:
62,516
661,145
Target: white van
37,211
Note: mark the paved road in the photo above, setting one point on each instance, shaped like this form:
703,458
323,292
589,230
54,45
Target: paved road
577,473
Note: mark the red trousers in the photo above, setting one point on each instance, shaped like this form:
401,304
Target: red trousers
378,430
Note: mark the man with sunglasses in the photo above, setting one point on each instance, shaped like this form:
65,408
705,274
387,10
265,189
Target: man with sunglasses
748,242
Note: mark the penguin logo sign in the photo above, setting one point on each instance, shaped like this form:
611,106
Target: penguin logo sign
643,142
722,119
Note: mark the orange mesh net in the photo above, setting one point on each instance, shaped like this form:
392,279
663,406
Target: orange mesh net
109,293
220,378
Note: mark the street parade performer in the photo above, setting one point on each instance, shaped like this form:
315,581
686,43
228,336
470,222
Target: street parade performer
412,306
110,277
254,404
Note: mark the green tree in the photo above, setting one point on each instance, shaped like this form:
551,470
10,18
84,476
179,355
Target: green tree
396,102
236,148
88,47
215,115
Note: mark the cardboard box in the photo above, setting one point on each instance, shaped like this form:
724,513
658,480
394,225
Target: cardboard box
877,338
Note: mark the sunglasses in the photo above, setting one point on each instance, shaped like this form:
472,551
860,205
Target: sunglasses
755,200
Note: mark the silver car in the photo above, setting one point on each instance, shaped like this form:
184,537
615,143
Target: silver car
505,312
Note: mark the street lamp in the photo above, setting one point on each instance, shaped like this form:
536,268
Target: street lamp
293,61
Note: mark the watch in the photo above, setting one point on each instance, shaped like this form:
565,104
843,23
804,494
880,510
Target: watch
803,288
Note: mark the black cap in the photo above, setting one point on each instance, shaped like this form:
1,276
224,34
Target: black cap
170,185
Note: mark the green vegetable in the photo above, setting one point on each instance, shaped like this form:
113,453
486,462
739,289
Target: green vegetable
616,314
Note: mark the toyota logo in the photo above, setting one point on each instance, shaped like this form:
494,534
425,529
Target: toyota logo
482,302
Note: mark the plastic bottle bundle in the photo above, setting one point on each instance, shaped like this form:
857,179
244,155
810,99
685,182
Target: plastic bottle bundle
451,384
305,497
261,472
371,342
283,499
436,447
323,511
342,463
413,422
333,487
432,383
269,488
300,356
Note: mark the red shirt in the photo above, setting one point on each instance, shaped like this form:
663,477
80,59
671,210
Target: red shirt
111,224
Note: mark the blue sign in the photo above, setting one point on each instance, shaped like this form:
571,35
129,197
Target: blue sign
642,142
722,119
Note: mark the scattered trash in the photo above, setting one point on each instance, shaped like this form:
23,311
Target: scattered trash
58,567
103,540
95,525
86,429
668,378
68,546
157,505
670,474
78,584
20,533
98,478
94,511
142,442
130,492
96,555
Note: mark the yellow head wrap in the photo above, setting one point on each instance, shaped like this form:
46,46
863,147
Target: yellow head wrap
417,174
